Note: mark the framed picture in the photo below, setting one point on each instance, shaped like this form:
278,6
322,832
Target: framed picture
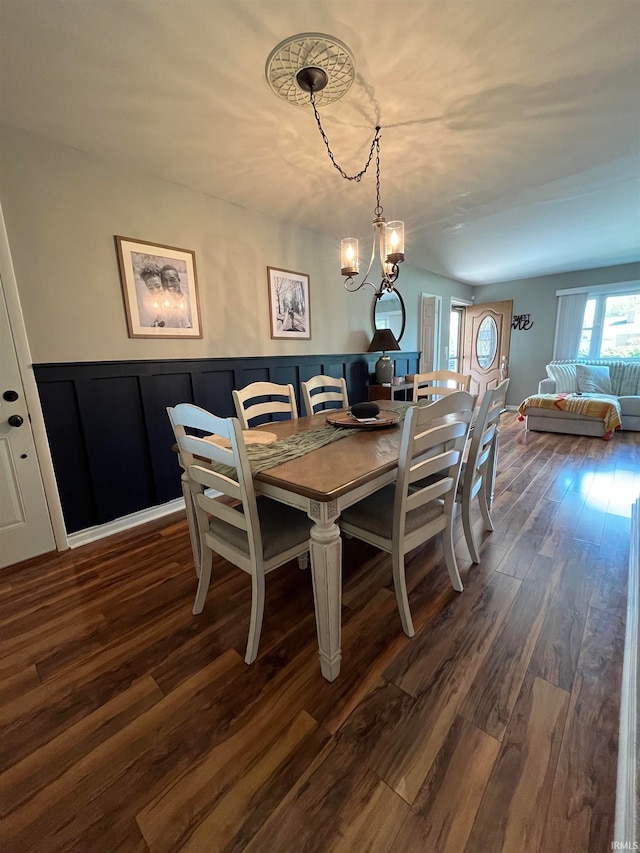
289,308
160,288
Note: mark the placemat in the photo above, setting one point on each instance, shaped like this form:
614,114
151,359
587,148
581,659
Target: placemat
250,437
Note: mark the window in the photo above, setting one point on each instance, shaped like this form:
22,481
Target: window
456,324
611,327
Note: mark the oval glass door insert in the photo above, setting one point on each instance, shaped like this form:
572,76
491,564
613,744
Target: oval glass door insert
487,342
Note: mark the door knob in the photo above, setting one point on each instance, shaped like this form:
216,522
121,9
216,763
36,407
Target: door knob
10,396
15,421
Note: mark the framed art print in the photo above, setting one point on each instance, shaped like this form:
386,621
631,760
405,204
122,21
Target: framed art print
289,308
160,288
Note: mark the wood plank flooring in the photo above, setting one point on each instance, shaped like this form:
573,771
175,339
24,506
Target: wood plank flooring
130,725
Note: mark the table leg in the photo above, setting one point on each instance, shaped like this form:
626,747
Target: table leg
325,547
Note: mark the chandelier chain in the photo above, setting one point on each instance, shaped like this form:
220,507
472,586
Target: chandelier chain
375,145
378,210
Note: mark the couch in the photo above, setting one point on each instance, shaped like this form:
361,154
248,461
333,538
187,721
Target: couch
580,392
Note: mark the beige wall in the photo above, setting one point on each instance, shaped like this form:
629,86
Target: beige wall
62,208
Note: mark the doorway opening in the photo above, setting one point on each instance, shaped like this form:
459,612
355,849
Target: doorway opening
456,337
429,332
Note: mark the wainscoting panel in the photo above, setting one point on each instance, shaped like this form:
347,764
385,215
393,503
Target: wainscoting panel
109,433
212,388
155,391
69,452
114,427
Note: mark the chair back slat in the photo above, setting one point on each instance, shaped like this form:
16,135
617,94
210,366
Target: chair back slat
264,398
222,511
322,389
217,480
436,435
438,489
439,383
432,465
483,456
196,446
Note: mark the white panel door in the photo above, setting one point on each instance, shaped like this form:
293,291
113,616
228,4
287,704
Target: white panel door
25,526
429,333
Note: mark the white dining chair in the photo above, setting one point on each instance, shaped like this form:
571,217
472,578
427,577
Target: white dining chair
439,383
398,518
254,533
476,475
322,390
264,398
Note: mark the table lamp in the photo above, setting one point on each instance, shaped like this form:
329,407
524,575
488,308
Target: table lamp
383,341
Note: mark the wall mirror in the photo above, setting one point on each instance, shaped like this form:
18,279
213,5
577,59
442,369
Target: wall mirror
389,313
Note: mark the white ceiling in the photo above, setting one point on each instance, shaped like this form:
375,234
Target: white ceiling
511,130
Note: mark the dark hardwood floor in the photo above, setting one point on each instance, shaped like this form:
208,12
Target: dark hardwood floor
130,725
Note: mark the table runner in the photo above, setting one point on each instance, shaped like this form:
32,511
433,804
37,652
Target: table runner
264,456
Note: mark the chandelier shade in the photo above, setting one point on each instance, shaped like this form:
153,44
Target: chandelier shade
394,242
349,259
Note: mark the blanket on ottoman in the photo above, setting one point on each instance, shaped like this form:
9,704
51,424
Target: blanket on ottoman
606,410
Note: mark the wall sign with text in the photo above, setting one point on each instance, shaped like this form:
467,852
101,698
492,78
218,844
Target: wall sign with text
521,322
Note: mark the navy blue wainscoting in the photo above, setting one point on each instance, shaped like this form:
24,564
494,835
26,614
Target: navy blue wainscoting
109,433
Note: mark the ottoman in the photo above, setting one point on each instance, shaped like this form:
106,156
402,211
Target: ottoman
573,414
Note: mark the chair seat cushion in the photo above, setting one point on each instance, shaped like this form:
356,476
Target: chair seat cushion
375,513
282,527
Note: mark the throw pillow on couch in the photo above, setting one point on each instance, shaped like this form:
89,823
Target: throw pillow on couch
564,375
593,379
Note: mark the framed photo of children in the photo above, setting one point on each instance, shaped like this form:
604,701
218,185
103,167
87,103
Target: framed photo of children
160,288
289,308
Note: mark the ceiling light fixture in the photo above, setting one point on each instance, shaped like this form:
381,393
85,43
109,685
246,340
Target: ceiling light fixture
317,69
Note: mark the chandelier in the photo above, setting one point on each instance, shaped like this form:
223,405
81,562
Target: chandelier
317,69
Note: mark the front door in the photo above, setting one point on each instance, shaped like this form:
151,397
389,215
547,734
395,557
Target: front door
25,526
487,335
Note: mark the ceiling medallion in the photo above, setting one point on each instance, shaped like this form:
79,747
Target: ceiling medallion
310,60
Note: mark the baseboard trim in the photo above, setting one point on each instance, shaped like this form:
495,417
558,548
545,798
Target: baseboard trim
100,531
626,804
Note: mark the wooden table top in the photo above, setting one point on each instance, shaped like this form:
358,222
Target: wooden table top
337,468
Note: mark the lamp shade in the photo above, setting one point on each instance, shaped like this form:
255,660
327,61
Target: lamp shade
383,341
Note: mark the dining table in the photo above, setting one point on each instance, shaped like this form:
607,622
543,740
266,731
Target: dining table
323,482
